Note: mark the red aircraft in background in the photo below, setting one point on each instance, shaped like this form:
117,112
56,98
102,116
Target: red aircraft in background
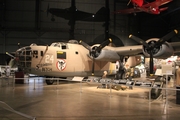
142,6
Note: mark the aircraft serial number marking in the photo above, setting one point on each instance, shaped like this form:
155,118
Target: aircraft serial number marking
46,69
45,64
61,64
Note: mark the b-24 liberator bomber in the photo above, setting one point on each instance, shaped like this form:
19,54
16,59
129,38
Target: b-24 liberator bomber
71,59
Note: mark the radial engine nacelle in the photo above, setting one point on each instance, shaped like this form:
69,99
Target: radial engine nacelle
104,54
163,51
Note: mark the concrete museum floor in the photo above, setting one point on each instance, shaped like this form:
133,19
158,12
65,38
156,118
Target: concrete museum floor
81,101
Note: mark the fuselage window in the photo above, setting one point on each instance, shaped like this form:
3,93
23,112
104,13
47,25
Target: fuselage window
35,54
41,53
63,47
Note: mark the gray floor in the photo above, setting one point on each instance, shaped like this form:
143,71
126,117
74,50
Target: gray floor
81,101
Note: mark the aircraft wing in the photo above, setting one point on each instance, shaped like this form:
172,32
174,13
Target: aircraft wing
137,49
99,16
176,47
112,54
127,11
126,50
156,3
69,14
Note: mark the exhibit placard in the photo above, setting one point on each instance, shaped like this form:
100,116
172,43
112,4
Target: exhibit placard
77,78
167,69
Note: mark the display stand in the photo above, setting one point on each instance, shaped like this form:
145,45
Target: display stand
7,107
155,93
80,79
166,70
20,77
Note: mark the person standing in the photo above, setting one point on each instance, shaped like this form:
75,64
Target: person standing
178,77
178,86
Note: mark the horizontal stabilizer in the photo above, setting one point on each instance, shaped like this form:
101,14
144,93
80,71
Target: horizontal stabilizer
101,11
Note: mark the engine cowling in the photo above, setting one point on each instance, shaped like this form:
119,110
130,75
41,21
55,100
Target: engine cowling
161,52
104,54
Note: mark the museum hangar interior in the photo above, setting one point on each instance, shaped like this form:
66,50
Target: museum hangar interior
27,22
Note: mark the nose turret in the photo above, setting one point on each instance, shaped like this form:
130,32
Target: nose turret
24,56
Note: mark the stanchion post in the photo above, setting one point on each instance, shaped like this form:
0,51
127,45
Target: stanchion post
34,84
81,86
110,87
14,82
57,84
166,89
150,95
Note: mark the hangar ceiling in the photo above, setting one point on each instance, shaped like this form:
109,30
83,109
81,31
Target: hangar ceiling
27,21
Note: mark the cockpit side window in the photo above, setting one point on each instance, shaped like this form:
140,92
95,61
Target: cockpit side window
64,47
56,45
60,45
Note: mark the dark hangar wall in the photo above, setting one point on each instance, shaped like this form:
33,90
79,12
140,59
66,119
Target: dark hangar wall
27,21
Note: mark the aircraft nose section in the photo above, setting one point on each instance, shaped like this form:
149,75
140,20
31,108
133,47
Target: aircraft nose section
24,56
21,50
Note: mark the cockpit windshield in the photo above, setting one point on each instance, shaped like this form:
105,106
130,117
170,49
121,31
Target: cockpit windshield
61,45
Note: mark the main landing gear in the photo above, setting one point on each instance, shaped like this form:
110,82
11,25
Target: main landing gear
49,80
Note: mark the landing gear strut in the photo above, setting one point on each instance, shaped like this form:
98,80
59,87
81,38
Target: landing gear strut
120,74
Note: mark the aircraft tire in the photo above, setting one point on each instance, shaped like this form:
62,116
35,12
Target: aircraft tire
155,93
49,81
120,76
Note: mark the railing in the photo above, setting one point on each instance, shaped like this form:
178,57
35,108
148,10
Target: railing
7,107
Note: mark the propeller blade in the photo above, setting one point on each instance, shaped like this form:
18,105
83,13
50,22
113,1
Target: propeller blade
166,38
10,55
93,65
129,2
85,45
139,40
151,64
102,45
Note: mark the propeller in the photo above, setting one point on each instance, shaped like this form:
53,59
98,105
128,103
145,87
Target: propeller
152,46
85,45
95,51
14,61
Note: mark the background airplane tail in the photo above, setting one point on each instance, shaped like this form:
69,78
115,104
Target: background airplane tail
101,14
101,11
